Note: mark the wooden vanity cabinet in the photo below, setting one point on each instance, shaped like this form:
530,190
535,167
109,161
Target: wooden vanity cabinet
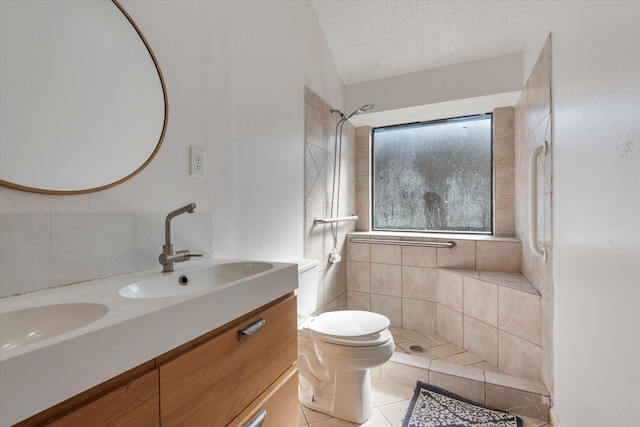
216,381
277,406
134,404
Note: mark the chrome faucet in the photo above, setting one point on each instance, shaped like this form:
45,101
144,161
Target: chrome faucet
169,256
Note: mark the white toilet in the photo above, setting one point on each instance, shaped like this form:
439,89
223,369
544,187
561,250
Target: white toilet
335,352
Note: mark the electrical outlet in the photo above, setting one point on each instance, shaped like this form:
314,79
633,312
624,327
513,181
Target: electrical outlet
198,161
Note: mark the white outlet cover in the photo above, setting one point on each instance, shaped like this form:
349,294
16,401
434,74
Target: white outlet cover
198,161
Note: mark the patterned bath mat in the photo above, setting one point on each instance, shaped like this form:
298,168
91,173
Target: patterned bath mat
434,407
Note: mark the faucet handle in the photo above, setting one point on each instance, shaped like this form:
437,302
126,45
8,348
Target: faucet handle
186,255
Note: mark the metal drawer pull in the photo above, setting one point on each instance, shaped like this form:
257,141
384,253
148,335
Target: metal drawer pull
252,329
258,420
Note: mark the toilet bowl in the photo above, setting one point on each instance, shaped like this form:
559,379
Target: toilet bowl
336,350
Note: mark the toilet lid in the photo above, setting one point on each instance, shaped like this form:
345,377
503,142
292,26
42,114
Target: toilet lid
349,323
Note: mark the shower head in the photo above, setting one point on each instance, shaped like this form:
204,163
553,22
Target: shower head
362,109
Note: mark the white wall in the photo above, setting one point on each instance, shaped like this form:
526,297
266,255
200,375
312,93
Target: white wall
235,73
473,79
596,206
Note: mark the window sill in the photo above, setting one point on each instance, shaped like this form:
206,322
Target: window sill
431,236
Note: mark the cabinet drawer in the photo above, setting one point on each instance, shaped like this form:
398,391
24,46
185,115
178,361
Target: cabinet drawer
213,383
278,405
134,404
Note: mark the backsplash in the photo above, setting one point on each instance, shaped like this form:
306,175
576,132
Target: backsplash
40,250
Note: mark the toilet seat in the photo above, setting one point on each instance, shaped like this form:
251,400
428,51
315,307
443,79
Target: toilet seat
350,328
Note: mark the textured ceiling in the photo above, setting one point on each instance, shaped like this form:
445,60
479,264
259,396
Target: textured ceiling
373,39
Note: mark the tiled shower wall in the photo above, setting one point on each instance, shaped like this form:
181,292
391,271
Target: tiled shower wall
375,277
533,121
320,137
413,286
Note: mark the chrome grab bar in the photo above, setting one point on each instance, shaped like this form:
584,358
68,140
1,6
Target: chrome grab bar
317,221
448,245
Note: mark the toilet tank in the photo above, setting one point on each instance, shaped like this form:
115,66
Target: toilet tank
307,291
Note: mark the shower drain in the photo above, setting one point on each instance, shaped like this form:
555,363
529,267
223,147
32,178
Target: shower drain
416,349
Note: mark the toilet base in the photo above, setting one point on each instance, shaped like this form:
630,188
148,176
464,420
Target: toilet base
347,397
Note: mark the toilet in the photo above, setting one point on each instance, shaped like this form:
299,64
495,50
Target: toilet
336,350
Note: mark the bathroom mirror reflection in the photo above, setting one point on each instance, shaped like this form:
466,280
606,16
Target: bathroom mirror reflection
83,103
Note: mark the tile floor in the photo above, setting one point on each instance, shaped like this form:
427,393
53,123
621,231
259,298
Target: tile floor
433,346
391,400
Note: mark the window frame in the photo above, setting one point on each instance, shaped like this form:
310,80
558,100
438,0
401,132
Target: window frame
479,116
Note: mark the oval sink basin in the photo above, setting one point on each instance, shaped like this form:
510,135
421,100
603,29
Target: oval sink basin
178,284
23,327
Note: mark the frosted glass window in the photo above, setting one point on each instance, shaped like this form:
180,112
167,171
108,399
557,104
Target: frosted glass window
433,176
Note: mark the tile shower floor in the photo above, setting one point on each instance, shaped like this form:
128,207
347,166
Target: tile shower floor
390,399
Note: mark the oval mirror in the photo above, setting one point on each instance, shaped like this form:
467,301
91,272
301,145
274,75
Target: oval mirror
82,100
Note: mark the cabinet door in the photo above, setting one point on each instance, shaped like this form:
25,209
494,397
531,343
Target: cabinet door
214,382
277,406
134,404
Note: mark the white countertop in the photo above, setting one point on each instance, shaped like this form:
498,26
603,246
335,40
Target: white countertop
37,376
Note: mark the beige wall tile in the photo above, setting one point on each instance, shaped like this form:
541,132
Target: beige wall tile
386,279
481,339
504,184
314,208
503,137
386,254
316,163
388,306
335,282
403,374
515,383
419,256
519,357
519,314
329,125
449,323
313,100
442,367
498,256
364,216
449,290
342,301
359,301
462,256
362,190
359,276
358,251
418,315
362,160
504,219
314,127
517,401
419,283
469,389
481,300
546,326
